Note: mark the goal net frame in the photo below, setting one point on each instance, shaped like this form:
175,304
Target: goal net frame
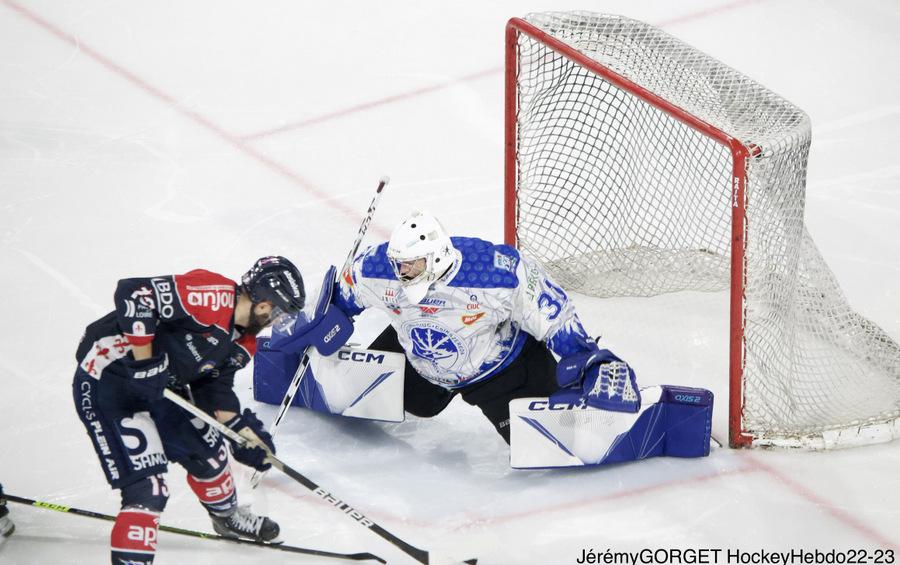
742,153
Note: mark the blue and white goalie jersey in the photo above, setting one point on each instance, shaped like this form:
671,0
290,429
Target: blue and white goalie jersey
472,322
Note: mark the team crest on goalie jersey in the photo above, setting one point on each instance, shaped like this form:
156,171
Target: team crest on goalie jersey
435,343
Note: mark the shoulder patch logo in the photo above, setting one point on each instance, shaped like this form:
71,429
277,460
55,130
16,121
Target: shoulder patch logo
504,262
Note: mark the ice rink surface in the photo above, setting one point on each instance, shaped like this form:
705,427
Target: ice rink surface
144,138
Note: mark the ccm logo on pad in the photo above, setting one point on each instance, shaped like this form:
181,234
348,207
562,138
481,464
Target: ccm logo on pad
360,356
546,405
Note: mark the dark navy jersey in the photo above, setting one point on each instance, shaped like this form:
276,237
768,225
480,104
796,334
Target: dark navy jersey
189,317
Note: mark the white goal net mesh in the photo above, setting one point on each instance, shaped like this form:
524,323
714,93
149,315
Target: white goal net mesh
618,198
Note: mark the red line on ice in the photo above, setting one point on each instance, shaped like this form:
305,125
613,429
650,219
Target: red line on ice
531,513
367,105
197,118
839,514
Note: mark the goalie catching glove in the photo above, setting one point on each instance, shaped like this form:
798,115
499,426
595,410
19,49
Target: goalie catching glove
259,442
598,379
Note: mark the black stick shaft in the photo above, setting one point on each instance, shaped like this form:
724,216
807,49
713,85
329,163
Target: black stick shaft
195,534
364,227
301,369
419,555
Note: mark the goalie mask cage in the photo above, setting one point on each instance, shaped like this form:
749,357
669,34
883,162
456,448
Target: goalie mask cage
637,165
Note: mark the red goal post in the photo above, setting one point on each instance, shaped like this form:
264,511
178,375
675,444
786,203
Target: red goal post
595,103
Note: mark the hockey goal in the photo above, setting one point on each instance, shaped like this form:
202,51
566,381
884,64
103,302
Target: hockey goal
637,165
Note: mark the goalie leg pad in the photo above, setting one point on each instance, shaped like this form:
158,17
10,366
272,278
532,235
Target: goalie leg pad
688,421
673,421
359,383
273,371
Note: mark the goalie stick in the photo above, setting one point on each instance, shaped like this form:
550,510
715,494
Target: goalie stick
301,370
195,534
420,555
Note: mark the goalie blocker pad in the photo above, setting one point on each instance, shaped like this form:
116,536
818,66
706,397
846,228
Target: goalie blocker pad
357,383
328,329
673,421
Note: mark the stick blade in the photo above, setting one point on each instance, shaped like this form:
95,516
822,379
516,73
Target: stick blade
440,558
365,557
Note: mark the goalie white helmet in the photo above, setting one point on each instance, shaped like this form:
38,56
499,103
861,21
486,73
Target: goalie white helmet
420,252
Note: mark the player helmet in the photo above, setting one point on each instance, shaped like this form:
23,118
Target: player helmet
275,279
420,252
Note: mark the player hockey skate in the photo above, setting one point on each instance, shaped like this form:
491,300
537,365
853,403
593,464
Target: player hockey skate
243,523
6,525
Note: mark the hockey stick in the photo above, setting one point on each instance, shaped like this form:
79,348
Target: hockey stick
286,402
301,370
420,555
195,534
364,227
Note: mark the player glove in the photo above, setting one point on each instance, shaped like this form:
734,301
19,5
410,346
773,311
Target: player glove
598,379
260,444
147,378
611,386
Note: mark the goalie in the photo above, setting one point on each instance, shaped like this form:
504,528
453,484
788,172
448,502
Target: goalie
482,321
477,320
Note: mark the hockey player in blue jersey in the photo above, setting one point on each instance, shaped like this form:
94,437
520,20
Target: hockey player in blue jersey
190,333
479,320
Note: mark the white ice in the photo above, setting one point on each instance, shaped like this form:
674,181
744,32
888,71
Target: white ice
141,138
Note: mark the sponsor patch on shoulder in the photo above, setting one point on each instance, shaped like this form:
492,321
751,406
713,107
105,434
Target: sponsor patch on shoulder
504,262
